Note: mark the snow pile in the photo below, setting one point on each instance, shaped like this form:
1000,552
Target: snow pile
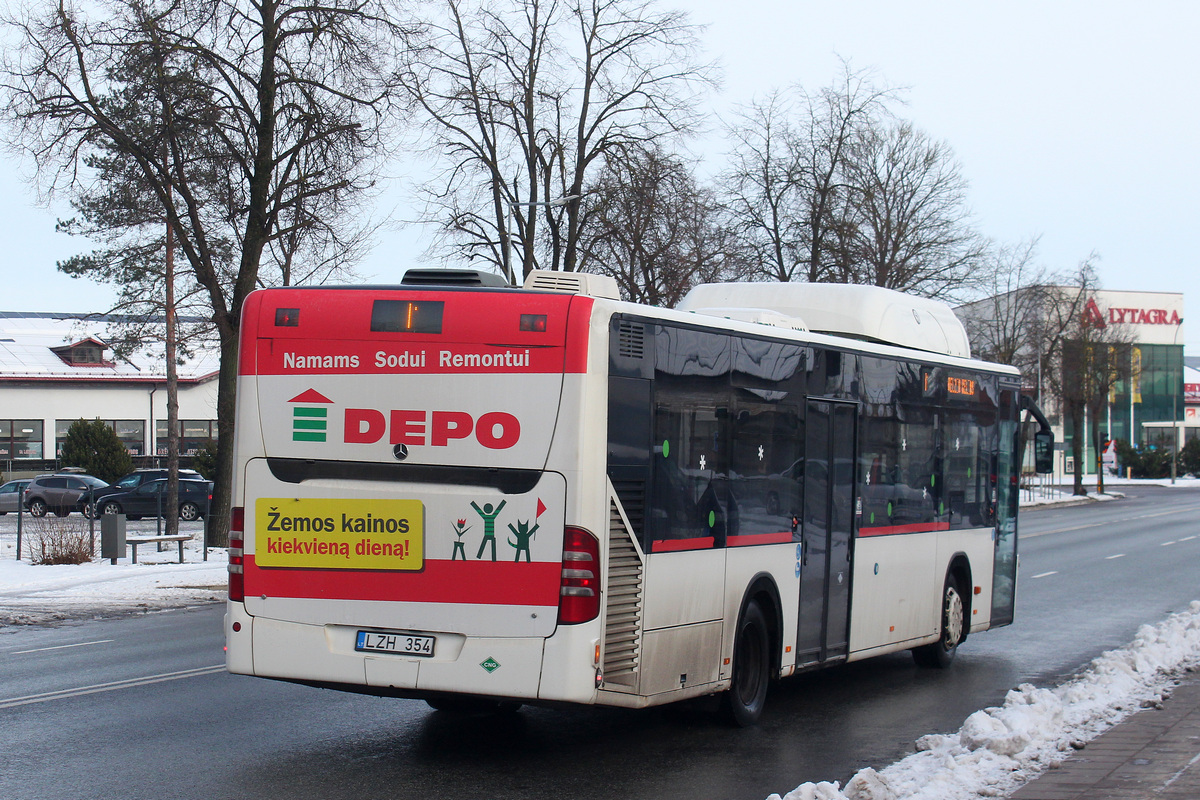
999,749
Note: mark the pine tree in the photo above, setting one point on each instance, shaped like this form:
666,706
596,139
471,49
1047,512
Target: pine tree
94,446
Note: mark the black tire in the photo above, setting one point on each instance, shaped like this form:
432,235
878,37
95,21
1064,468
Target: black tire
37,507
62,512
473,706
743,704
189,512
110,508
940,654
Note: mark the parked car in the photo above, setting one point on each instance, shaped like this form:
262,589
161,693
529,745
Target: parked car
60,493
10,496
145,500
138,478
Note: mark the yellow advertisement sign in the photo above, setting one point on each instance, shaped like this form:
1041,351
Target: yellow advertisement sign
327,533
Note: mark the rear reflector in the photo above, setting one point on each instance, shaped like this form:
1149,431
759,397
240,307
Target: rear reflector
579,592
237,541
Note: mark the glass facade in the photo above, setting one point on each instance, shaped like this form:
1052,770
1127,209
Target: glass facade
1152,392
131,432
193,435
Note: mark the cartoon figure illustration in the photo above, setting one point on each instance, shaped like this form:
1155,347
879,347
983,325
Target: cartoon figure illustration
489,526
460,527
523,533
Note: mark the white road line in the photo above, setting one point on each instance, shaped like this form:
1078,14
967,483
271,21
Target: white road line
1166,544
129,683
1118,555
62,647
1046,574
1187,538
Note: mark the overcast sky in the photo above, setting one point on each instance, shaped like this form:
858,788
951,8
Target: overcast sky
1073,121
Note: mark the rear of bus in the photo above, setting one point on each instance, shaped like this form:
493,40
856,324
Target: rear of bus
401,493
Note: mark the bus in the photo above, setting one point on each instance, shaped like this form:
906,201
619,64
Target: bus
484,496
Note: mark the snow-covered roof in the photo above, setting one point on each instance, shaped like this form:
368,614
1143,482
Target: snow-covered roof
35,346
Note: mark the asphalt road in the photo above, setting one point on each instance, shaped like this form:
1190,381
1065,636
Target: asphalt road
138,707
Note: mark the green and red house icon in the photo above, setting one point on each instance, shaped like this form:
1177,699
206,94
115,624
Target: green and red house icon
310,416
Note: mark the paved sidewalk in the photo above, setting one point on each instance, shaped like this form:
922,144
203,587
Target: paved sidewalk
1153,754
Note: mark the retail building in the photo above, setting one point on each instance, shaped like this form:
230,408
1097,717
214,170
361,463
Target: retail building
57,368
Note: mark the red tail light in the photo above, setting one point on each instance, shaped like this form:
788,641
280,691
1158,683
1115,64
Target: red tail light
237,541
579,595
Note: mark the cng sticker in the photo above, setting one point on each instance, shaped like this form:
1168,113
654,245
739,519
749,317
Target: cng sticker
490,664
334,533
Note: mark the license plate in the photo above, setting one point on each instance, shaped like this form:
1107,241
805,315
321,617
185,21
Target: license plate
406,644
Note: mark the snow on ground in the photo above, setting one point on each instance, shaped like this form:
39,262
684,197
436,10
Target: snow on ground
999,749
39,594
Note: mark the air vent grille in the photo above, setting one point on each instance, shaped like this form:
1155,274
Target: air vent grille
631,339
623,605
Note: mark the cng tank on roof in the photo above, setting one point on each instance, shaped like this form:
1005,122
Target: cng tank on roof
870,313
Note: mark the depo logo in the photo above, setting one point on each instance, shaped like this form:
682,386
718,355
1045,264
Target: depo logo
496,430
310,417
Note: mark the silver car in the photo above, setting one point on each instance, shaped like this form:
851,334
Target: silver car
10,495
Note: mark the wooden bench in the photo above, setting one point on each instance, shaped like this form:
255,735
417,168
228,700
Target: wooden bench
134,541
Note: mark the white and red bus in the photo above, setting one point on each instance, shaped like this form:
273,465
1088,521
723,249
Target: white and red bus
483,495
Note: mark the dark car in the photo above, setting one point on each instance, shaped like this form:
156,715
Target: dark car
60,493
145,500
10,496
137,478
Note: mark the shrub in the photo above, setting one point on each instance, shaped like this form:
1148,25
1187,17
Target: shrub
205,460
1146,462
93,446
1189,458
59,540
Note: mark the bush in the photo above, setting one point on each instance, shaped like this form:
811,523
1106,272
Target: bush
1189,458
1146,462
94,447
205,460
59,540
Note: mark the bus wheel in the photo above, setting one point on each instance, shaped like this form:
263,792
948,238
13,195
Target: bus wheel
743,704
940,654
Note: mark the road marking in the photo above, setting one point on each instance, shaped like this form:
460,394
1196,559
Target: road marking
1118,555
1085,526
1166,544
62,647
1043,575
129,683
1187,538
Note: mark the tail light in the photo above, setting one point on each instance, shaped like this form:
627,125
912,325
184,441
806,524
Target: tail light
579,595
237,541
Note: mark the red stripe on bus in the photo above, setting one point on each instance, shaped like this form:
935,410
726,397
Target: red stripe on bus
502,583
919,527
579,327
760,538
671,545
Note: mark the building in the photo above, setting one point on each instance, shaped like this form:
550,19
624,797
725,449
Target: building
57,368
1148,400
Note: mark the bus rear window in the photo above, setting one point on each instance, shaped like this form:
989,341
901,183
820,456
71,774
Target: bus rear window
407,316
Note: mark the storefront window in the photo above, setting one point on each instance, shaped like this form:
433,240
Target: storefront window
131,432
193,435
20,438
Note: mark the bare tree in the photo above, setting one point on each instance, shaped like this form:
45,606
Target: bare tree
912,227
788,184
272,116
654,230
524,102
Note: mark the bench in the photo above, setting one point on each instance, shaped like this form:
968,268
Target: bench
134,541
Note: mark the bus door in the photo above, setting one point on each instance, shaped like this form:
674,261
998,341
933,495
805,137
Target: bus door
829,463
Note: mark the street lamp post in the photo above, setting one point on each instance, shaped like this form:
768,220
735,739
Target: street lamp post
1175,409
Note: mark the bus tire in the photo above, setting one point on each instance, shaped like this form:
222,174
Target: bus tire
940,654
742,704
